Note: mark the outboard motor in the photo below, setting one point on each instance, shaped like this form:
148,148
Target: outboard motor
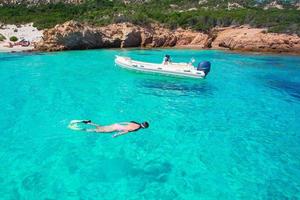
204,66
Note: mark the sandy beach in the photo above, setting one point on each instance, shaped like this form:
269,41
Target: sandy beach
27,32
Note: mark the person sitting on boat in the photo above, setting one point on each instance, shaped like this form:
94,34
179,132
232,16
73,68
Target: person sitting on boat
167,59
122,128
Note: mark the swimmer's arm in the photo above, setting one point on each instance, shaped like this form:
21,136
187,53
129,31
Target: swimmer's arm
120,133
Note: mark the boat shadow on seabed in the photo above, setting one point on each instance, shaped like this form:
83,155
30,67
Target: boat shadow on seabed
170,88
289,87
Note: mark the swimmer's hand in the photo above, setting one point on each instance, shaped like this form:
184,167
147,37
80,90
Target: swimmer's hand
119,134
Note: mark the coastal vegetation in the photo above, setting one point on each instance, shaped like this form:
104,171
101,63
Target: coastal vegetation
13,38
2,37
173,13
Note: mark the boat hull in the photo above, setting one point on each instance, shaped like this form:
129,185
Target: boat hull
181,68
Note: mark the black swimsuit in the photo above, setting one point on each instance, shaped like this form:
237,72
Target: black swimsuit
137,128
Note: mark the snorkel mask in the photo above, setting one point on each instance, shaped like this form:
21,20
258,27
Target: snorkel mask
144,125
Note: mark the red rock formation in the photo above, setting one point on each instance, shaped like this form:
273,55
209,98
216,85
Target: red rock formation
189,38
74,35
131,38
70,35
253,39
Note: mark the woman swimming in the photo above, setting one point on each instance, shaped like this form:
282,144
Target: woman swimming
122,128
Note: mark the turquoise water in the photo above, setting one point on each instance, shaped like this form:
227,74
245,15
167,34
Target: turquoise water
234,135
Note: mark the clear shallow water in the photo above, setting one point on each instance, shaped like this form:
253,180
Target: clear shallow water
234,135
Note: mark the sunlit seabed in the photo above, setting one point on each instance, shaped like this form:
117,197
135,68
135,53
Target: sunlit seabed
233,135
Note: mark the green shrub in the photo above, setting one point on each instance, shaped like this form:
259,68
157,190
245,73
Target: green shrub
103,12
2,37
13,38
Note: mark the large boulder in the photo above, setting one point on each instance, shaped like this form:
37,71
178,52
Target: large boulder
70,35
254,39
158,36
191,38
147,37
131,38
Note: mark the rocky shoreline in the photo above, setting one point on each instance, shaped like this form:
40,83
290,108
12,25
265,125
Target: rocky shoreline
73,35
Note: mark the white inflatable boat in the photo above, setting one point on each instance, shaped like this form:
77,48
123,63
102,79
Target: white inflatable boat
176,69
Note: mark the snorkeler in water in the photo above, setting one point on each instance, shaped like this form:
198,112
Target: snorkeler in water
121,128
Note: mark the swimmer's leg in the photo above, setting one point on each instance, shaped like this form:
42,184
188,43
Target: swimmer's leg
93,124
97,129
102,129
76,121
90,130
74,126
